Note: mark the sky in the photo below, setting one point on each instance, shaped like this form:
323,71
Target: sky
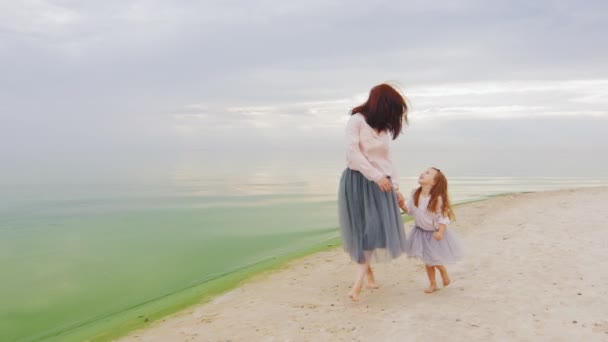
91,79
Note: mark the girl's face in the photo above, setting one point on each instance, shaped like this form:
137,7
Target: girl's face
427,177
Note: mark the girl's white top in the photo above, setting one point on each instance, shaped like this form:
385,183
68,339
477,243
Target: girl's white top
368,151
424,218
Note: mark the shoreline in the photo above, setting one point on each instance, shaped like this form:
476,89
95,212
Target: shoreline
145,315
121,324
206,315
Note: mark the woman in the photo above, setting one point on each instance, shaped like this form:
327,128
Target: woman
370,220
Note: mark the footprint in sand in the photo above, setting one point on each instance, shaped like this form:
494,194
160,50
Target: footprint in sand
600,327
208,318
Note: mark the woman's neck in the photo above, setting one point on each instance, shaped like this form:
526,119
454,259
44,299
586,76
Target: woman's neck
426,190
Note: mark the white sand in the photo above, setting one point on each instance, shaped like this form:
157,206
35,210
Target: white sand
536,269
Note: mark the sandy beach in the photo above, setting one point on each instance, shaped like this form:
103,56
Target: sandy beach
535,270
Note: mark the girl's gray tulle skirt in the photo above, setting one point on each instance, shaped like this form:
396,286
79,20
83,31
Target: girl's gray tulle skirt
370,220
423,246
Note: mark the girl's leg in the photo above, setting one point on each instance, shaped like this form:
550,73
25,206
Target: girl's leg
430,272
444,275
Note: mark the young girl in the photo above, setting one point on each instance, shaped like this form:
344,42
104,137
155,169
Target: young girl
370,220
430,240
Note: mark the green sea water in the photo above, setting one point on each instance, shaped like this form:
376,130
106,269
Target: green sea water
64,267
93,260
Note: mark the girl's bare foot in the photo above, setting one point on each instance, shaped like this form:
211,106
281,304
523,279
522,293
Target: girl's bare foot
444,276
446,279
430,289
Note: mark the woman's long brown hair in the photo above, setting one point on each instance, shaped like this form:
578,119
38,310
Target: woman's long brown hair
384,110
440,201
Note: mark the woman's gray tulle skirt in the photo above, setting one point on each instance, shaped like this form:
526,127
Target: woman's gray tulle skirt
423,246
370,220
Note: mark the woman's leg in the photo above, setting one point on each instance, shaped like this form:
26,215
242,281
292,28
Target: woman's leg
358,283
371,280
363,270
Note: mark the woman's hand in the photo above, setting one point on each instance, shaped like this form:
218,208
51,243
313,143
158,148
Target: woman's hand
384,184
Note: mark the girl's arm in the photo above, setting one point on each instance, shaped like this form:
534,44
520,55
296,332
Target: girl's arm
443,222
438,235
402,204
406,205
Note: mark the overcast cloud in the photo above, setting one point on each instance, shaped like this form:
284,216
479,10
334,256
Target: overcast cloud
151,76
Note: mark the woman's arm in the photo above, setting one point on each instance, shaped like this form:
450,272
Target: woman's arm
354,155
394,173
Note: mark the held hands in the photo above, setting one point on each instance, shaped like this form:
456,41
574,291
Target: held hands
384,184
401,201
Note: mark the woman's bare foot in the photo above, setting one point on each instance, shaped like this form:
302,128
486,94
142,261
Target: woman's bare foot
371,280
431,289
353,294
